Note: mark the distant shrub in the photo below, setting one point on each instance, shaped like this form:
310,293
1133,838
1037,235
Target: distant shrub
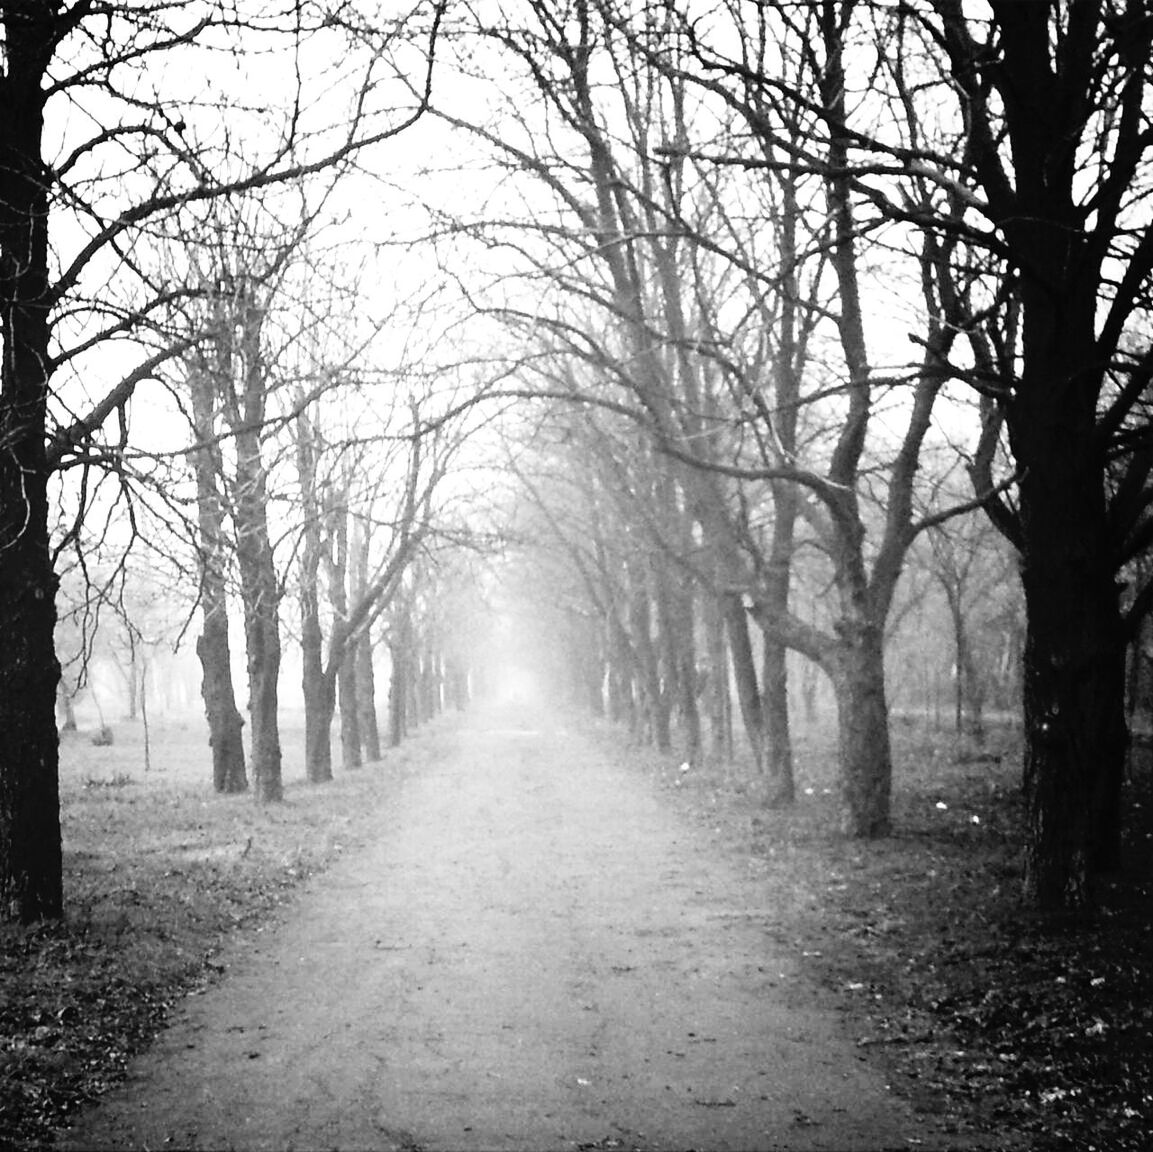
103,737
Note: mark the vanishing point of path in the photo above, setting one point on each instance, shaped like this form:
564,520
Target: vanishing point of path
536,953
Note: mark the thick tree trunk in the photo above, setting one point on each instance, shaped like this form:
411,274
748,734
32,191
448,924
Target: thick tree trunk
348,691
245,395
225,724
263,642
1076,736
319,706
31,884
366,698
866,769
317,691
260,593
1075,731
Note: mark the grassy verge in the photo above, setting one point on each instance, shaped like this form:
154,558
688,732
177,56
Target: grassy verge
158,872
1012,1029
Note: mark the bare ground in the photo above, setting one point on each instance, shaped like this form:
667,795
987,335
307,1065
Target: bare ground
536,952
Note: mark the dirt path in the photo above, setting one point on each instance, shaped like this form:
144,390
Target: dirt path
537,953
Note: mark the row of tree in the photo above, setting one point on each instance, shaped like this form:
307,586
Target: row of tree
718,235
125,128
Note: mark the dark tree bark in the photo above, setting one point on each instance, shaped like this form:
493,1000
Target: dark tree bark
1044,82
259,584
31,884
225,723
863,733
261,596
778,733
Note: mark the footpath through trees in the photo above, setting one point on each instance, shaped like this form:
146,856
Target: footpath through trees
537,952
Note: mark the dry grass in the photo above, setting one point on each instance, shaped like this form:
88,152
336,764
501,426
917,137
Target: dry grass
1014,1029
158,871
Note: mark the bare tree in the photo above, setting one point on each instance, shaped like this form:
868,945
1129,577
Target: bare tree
53,55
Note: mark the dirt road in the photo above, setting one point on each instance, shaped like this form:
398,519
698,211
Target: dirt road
537,953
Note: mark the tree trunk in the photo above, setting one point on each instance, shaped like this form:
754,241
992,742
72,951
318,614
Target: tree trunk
31,883
319,705
863,732
1075,731
778,736
686,655
745,676
348,691
68,707
262,633
225,723
366,698
132,677
398,695
1076,739
260,593
244,393
655,706
1076,736
400,673
719,706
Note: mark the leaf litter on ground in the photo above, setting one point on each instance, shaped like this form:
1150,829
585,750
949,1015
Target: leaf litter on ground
159,871
1012,1028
